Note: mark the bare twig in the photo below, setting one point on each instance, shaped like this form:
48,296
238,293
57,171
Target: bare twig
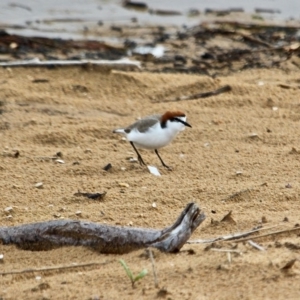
234,236
45,269
235,33
225,88
226,250
256,246
229,257
47,157
121,64
269,234
153,268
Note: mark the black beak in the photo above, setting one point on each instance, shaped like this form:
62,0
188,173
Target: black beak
184,123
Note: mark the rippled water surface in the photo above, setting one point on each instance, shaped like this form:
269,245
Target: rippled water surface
69,18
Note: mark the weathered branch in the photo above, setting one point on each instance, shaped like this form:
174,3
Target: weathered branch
103,238
223,89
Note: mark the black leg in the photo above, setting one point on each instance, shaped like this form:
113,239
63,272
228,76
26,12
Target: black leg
138,155
162,160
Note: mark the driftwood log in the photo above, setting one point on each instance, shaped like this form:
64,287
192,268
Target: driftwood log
103,238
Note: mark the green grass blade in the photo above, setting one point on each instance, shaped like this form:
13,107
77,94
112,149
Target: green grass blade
126,268
141,275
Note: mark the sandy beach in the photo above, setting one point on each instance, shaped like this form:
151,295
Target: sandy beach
241,155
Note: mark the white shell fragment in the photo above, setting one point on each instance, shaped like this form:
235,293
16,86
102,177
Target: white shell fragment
78,213
153,170
39,185
133,159
8,210
253,136
60,161
154,205
1,257
123,184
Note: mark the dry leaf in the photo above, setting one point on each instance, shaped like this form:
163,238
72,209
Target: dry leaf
228,218
289,264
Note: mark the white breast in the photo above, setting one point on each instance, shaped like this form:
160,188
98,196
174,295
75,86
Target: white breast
156,137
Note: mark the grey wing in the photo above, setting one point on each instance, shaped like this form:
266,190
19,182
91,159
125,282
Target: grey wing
144,124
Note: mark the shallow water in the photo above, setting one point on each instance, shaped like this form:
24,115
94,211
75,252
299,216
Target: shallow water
72,18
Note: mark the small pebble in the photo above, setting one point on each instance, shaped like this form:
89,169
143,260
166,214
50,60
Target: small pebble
154,205
123,184
8,210
107,167
1,257
253,135
133,159
59,154
13,45
78,213
39,185
264,219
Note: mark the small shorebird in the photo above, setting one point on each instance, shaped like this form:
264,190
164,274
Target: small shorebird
154,132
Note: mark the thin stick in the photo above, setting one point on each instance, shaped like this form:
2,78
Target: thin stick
256,246
153,268
268,234
226,250
47,157
52,268
229,257
230,237
225,88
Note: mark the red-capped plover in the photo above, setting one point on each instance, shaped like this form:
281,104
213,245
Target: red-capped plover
154,132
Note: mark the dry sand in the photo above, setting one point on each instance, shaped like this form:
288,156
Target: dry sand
73,110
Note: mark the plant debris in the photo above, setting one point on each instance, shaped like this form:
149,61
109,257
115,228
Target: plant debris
93,196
